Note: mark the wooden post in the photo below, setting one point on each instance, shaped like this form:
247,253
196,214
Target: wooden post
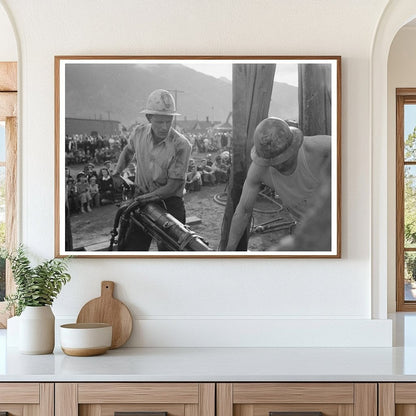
11,196
252,91
314,99
8,76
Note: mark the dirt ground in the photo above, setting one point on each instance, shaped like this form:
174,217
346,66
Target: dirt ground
91,230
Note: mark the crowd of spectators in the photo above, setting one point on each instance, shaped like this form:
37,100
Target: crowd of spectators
83,148
90,188
209,142
208,172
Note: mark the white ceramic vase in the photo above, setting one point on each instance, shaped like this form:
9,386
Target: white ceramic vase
37,330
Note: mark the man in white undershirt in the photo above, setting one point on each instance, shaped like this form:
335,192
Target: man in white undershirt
294,166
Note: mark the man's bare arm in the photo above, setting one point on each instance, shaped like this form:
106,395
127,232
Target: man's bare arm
125,158
242,214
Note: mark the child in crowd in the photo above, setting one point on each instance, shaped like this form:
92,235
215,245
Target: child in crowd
193,177
94,192
208,175
220,170
84,192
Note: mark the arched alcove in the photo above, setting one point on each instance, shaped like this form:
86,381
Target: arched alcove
401,74
396,15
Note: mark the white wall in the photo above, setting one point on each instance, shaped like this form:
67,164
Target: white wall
8,46
401,74
212,301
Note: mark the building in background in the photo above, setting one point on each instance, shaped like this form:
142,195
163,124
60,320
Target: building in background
86,126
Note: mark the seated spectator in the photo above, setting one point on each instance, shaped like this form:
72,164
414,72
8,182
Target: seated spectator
226,160
208,175
94,192
209,159
220,170
193,178
89,170
109,165
225,157
84,192
106,187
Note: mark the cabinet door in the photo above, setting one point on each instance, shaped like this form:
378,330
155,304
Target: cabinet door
297,399
142,399
26,399
397,399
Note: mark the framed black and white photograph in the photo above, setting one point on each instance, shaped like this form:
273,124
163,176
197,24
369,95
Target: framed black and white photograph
198,156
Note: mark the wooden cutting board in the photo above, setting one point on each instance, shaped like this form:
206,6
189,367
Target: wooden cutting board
109,310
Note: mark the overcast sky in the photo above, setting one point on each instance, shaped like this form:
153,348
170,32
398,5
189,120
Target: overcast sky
287,73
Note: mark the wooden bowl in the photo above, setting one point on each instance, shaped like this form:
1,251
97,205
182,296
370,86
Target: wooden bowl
84,340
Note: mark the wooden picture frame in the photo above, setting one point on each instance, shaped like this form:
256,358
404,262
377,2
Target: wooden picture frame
101,102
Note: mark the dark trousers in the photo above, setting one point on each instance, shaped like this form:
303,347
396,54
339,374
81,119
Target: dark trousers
137,240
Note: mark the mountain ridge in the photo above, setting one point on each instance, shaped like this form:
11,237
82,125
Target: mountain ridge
119,92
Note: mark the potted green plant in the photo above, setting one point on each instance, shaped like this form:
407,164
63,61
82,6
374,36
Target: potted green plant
36,289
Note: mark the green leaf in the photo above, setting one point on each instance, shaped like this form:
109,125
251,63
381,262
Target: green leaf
35,286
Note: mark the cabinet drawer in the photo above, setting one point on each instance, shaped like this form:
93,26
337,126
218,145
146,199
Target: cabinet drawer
270,399
138,393
107,399
293,392
19,393
21,399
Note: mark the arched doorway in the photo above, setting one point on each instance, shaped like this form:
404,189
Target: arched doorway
395,16
401,100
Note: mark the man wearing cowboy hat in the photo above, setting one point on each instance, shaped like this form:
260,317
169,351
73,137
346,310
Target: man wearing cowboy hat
162,156
294,166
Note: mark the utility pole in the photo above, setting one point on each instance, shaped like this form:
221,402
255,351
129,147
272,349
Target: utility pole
314,99
252,90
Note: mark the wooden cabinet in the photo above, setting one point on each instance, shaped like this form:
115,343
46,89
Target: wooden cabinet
27,399
105,399
331,399
208,399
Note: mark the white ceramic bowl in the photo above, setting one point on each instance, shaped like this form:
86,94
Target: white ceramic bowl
83,340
